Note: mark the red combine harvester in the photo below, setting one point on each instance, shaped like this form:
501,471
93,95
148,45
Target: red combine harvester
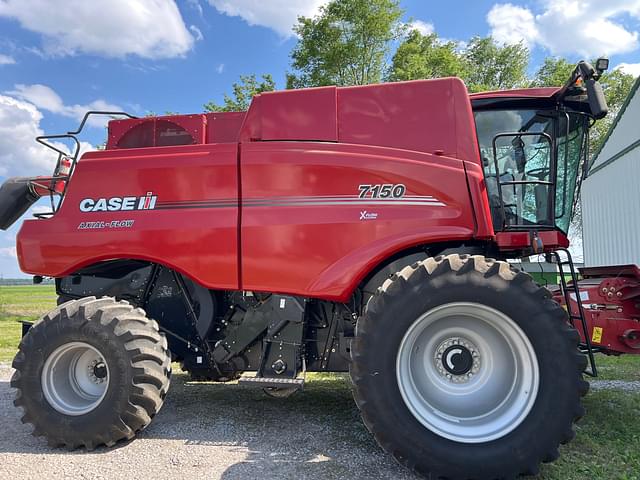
362,229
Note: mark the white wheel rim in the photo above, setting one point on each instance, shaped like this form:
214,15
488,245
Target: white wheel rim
75,378
496,381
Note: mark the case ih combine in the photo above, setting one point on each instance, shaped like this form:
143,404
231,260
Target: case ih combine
361,229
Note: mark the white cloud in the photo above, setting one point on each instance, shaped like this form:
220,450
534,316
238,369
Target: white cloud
45,98
424,28
196,33
630,68
588,28
9,252
146,28
195,4
19,153
278,15
6,60
512,24
220,68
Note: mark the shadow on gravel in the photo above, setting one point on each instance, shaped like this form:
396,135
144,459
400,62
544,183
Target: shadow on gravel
315,433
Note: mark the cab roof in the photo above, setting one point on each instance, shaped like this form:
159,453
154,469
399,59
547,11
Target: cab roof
541,92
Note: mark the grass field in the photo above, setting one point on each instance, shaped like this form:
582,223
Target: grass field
607,445
22,302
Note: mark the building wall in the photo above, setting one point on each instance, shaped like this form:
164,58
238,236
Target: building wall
611,192
611,212
626,129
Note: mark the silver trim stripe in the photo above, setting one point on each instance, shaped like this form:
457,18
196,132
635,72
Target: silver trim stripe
295,201
431,203
343,200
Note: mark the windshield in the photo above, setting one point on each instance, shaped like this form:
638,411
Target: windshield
572,142
520,155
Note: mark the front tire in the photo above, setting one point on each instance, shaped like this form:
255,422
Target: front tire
91,372
464,368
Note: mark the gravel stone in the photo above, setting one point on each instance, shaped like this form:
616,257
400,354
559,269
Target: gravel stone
209,431
625,386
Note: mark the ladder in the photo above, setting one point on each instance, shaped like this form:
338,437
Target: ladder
567,290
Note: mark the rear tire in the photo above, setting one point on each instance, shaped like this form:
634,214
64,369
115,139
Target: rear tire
91,372
438,418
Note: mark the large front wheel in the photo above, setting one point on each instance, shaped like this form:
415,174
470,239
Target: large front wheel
91,372
464,368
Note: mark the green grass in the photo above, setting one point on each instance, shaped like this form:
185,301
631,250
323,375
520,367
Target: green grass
624,367
23,302
607,445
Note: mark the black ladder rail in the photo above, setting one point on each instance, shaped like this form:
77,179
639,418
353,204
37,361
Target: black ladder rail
567,298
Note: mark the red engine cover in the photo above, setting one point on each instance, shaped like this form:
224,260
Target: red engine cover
157,131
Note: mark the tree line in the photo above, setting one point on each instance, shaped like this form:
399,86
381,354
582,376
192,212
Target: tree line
357,42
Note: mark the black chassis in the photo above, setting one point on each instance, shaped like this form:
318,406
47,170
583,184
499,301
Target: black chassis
219,334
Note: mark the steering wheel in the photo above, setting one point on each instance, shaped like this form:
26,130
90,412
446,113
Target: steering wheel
538,173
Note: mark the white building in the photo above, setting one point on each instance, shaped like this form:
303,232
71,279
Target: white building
611,192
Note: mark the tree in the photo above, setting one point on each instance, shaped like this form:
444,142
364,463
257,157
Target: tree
345,44
243,92
491,66
555,71
616,86
425,56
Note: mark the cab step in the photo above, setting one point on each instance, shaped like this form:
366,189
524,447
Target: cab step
270,382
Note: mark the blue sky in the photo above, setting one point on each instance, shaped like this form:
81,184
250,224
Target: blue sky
61,57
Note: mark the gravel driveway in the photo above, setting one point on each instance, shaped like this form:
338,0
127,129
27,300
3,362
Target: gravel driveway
214,431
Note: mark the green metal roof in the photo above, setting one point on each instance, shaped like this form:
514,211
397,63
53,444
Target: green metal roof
635,144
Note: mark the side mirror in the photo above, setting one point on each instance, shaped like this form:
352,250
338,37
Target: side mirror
597,102
589,75
595,95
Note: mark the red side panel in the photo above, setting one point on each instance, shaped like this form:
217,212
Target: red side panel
431,116
479,200
305,230
514,240
308,114
251,129
192,226
224,127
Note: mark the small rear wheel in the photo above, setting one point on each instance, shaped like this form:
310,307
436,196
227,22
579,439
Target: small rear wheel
280,392
464,368
91,372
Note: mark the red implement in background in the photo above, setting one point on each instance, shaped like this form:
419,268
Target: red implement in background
611,302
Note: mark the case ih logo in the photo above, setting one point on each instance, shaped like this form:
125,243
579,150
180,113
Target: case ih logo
116,204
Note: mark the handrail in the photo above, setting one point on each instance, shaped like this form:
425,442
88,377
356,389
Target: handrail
500,183
97,112
73,157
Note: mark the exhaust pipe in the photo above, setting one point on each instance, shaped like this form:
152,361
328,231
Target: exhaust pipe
16,197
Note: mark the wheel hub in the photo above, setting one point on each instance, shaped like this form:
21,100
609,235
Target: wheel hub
75,378
467,372
97,371
457,359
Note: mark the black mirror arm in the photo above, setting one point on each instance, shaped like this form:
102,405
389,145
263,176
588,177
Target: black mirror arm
589,76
